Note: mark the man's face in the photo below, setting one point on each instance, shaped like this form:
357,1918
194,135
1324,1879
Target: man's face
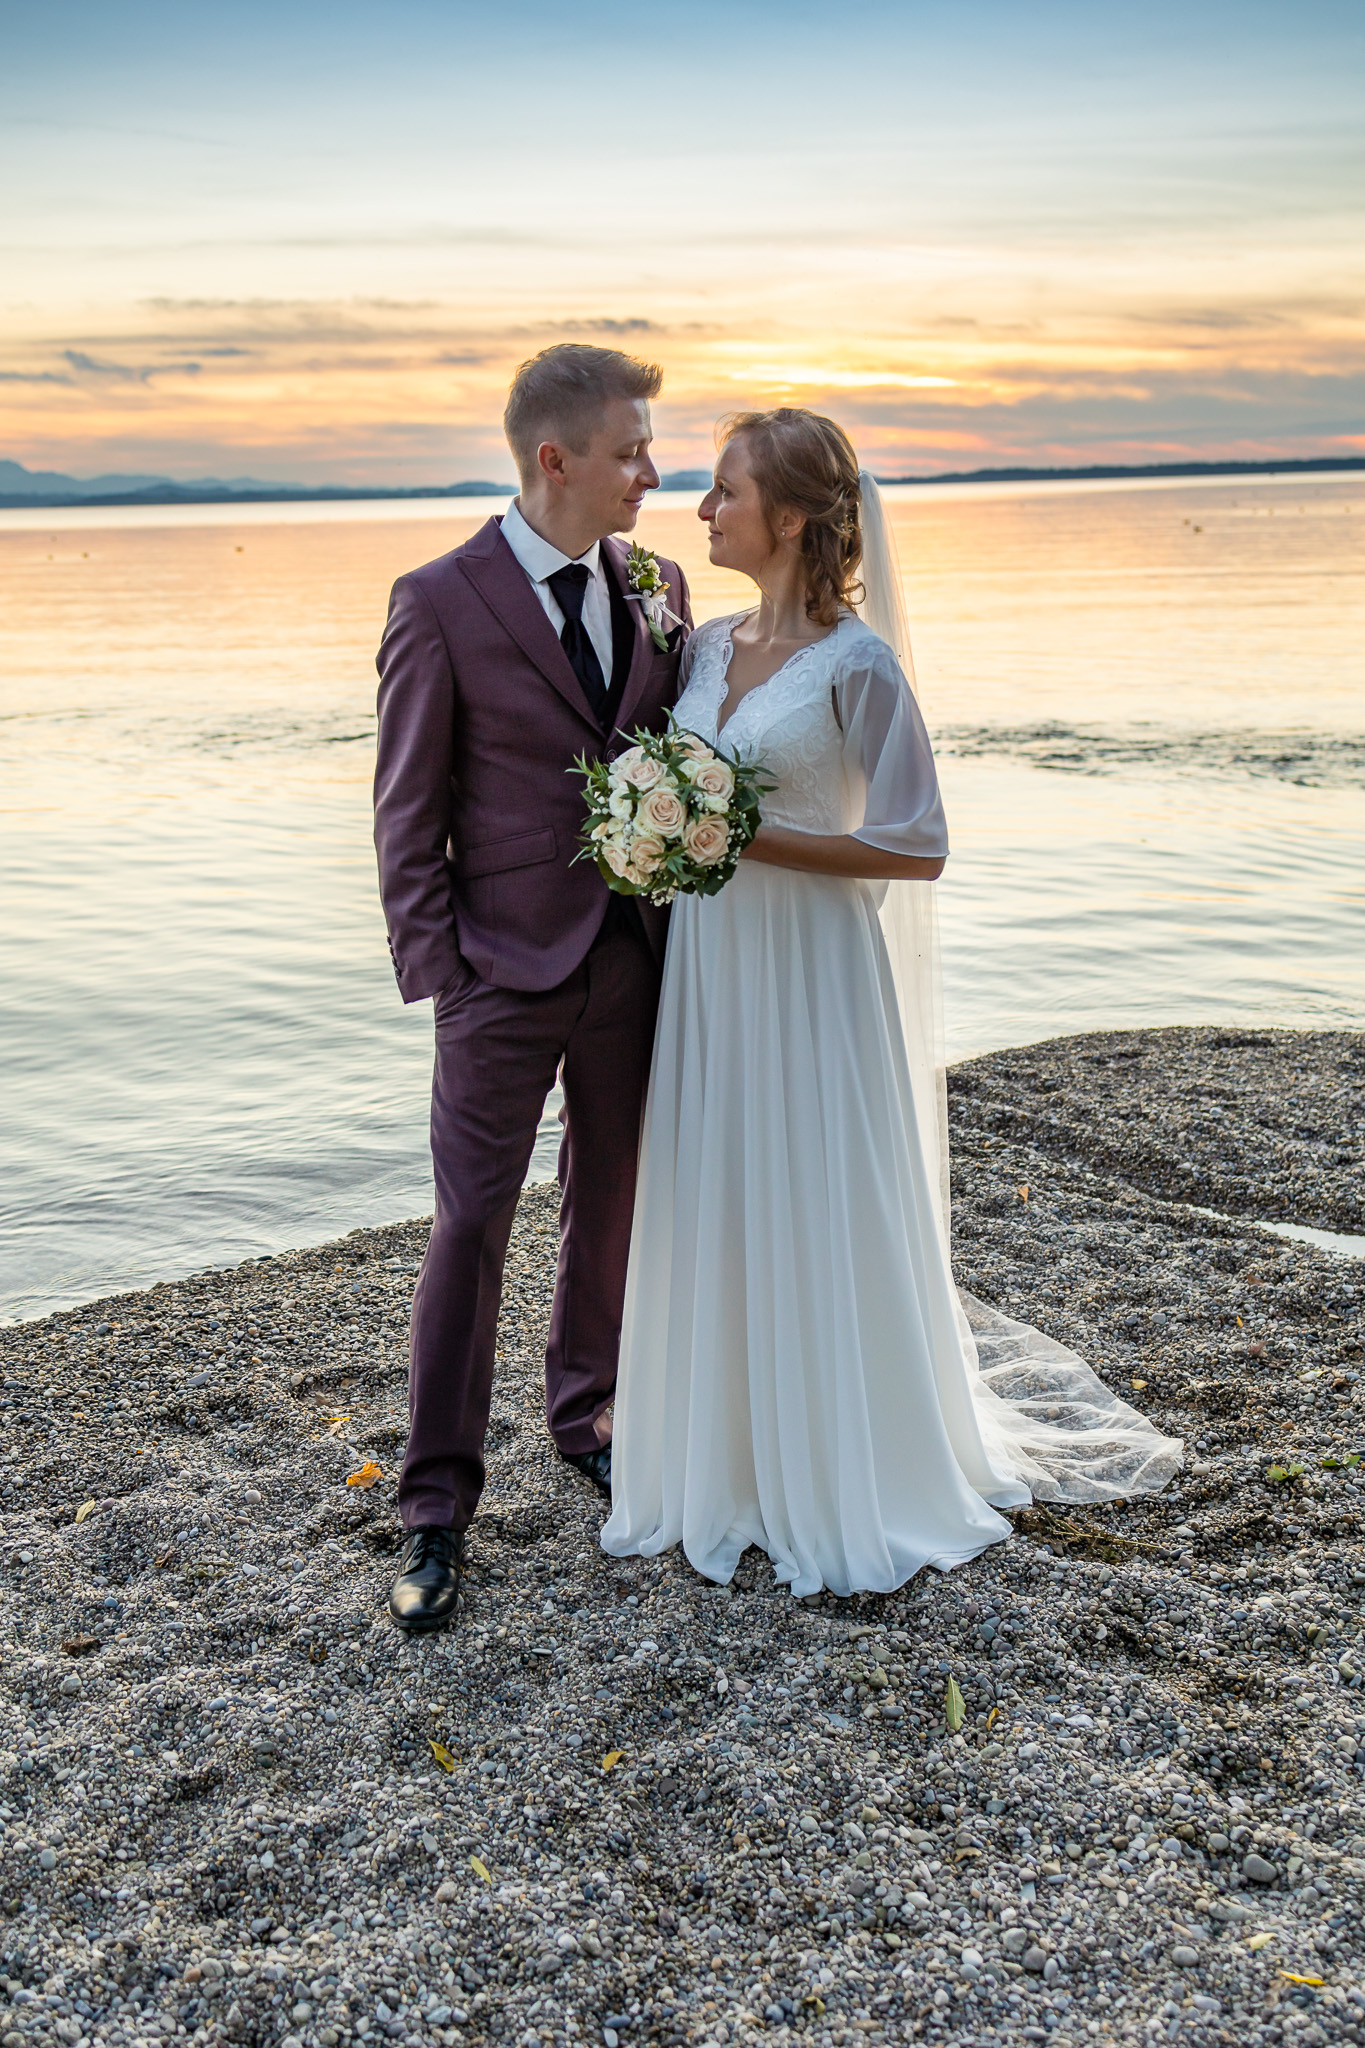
606,486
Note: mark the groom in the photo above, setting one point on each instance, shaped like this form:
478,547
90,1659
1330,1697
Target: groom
500,663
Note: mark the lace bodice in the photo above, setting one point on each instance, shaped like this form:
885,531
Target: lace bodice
869,770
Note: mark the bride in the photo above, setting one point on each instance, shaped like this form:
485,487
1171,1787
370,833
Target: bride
798,1370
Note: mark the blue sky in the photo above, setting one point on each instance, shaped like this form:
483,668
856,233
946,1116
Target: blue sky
313,242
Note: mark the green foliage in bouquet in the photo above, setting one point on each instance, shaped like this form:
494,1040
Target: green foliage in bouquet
670,816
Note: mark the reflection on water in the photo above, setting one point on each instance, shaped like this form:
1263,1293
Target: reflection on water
1151,744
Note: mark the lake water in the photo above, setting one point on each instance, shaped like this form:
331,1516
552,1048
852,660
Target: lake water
1147,701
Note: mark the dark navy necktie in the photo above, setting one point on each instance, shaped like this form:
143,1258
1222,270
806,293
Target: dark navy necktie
570,587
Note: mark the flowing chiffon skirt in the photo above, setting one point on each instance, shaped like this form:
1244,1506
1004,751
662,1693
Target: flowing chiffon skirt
797,1369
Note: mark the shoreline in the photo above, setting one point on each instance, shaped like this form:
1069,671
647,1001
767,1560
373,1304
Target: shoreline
168,492
222,1805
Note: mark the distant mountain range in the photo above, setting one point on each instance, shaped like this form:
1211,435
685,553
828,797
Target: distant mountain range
42,487
20,486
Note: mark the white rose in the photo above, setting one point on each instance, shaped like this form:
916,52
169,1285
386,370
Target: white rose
621,804
616,857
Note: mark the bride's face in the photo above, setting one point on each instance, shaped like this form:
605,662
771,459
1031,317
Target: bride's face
741,537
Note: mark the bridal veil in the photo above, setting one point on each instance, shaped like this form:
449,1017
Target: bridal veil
1045,1416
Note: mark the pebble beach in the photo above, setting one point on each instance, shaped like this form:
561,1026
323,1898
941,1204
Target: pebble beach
1102,1784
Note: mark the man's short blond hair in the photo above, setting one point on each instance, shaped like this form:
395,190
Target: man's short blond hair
561,394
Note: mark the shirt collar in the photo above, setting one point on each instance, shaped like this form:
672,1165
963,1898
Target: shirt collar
540,558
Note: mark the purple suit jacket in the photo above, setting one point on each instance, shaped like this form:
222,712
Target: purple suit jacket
476,815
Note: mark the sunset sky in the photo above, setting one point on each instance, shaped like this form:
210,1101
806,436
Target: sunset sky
310,242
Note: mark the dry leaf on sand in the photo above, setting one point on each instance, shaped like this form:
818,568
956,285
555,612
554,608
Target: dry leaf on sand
367,1475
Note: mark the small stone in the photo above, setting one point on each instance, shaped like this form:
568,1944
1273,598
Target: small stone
1183,1956
1035,1960
809,1824
70,1685
446,1891
1257,1869
47,1859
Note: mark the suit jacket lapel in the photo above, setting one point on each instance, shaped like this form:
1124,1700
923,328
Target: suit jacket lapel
615,552
503,584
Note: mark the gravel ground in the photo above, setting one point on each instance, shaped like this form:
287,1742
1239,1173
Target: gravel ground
620,1806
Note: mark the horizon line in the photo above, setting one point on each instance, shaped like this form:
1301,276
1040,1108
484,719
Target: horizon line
171,493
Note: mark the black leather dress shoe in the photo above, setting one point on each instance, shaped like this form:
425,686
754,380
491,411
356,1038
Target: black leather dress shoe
426,1592
594,1465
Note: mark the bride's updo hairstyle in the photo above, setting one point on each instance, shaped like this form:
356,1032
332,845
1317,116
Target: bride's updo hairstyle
803,460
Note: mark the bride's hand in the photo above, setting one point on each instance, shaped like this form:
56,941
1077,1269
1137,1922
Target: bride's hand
837,853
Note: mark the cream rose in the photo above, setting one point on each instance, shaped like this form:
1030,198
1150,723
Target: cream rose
715,778
707,841
661,814
647,852
646,773
616,857
688,743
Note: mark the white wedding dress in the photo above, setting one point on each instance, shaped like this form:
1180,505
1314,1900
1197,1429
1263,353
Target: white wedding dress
797,1369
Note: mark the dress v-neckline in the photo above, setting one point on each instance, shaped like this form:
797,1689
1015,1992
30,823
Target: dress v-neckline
755,689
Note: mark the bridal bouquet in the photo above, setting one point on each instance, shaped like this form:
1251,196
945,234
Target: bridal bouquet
669,817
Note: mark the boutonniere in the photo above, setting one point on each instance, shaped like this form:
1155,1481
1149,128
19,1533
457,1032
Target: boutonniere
648,589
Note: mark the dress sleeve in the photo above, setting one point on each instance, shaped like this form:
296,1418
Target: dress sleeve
887,756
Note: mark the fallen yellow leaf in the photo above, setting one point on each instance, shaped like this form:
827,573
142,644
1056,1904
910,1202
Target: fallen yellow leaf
1137,1385
1290,1978
954,1706
1256,1941
85,1510
480,1868
442,1755
611,1759
367,1474
1023,1192
991,1717
336,1418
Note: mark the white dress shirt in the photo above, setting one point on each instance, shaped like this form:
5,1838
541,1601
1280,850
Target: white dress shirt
540,559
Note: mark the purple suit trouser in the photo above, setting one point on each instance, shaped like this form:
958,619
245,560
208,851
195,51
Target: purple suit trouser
498,1051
